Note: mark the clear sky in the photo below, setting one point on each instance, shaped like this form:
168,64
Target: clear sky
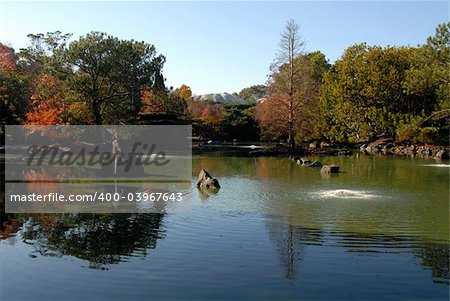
227,46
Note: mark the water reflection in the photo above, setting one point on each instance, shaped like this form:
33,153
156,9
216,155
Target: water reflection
101,239
291,241
436,257
266,232
384,195
115,195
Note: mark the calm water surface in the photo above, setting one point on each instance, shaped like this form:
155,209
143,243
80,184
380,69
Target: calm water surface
379,230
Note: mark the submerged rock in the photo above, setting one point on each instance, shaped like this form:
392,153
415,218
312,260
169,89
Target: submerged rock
316,164
294,158
303,161
441,154
205,181
329,169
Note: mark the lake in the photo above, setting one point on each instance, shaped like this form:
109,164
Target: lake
378,230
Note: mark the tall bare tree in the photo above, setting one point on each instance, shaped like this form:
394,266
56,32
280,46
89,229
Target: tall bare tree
283,81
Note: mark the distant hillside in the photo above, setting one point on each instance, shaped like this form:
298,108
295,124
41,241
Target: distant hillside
221,98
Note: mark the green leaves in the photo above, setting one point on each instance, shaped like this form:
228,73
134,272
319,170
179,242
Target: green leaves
111,74
374,90
253,93
363,94
13,90
429,76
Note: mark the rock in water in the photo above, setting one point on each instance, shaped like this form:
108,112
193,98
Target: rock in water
303,161
295,158
316,164
441,154
330,169
206,181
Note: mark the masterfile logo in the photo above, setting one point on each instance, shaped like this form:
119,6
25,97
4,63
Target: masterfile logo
110,164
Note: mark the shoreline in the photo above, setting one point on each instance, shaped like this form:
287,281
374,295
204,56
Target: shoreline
379,147
385,148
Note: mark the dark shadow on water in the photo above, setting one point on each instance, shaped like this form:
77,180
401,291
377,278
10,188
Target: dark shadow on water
437,258
101,239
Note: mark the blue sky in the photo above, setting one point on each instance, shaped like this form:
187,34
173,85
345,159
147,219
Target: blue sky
226,46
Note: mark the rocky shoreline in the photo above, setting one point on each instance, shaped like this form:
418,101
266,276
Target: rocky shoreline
379,147
382,147
386,147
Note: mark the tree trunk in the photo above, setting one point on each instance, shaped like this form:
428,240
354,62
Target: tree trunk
291,133
96,112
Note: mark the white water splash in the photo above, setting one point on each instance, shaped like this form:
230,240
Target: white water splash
345,194
436,165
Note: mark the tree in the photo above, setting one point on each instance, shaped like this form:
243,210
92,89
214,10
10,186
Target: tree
239,123
429,80
152,101
45,55
253,93
362,95
212,114
14,89
429,76
46,101
111,74
13,97
42,62
283,81
8,58
206,118
310,69
184,92
156,101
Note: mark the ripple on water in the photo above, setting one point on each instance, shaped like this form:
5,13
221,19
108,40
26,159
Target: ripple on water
345,194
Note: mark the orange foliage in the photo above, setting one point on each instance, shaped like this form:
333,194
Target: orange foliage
207,112
41,182
44,117
184,92
272,115
8,58
212,114
151,102
46,101
263,169
10,228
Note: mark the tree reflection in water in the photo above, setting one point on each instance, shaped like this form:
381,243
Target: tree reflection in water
101,239
291,240
437,258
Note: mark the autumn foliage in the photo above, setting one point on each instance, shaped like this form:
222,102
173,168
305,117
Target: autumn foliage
271,115
8,58
152,101
184,92
368,92
157,101
46,101
211,113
